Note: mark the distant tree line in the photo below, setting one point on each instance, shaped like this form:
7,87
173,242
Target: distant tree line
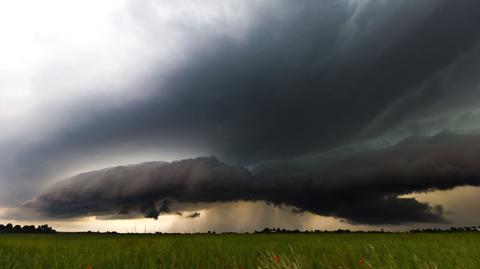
97,232
451,230
426,230
10,228
278,230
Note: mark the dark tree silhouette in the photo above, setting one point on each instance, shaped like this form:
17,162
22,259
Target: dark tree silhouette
9,228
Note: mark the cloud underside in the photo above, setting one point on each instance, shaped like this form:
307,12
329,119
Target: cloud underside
360,187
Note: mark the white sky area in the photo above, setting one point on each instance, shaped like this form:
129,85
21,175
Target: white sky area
55,53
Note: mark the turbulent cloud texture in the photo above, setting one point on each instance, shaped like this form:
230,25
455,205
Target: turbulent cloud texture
336,107
360,187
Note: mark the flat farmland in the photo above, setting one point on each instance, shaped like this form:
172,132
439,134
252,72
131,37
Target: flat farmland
443,250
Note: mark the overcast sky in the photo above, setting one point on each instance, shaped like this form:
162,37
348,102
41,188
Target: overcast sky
300,114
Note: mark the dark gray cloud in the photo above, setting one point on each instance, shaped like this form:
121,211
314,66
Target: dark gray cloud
287,91
193,215
361,187
150,188
306,78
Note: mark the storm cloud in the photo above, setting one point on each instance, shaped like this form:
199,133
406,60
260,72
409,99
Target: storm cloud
288,88
363,187
336,107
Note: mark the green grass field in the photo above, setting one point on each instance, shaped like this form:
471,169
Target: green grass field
446,250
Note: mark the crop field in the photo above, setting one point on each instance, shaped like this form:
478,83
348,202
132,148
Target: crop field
443,250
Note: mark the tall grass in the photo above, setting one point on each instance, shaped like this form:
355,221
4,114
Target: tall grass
258,251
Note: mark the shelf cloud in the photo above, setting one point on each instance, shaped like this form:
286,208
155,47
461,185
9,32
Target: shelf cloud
363,187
